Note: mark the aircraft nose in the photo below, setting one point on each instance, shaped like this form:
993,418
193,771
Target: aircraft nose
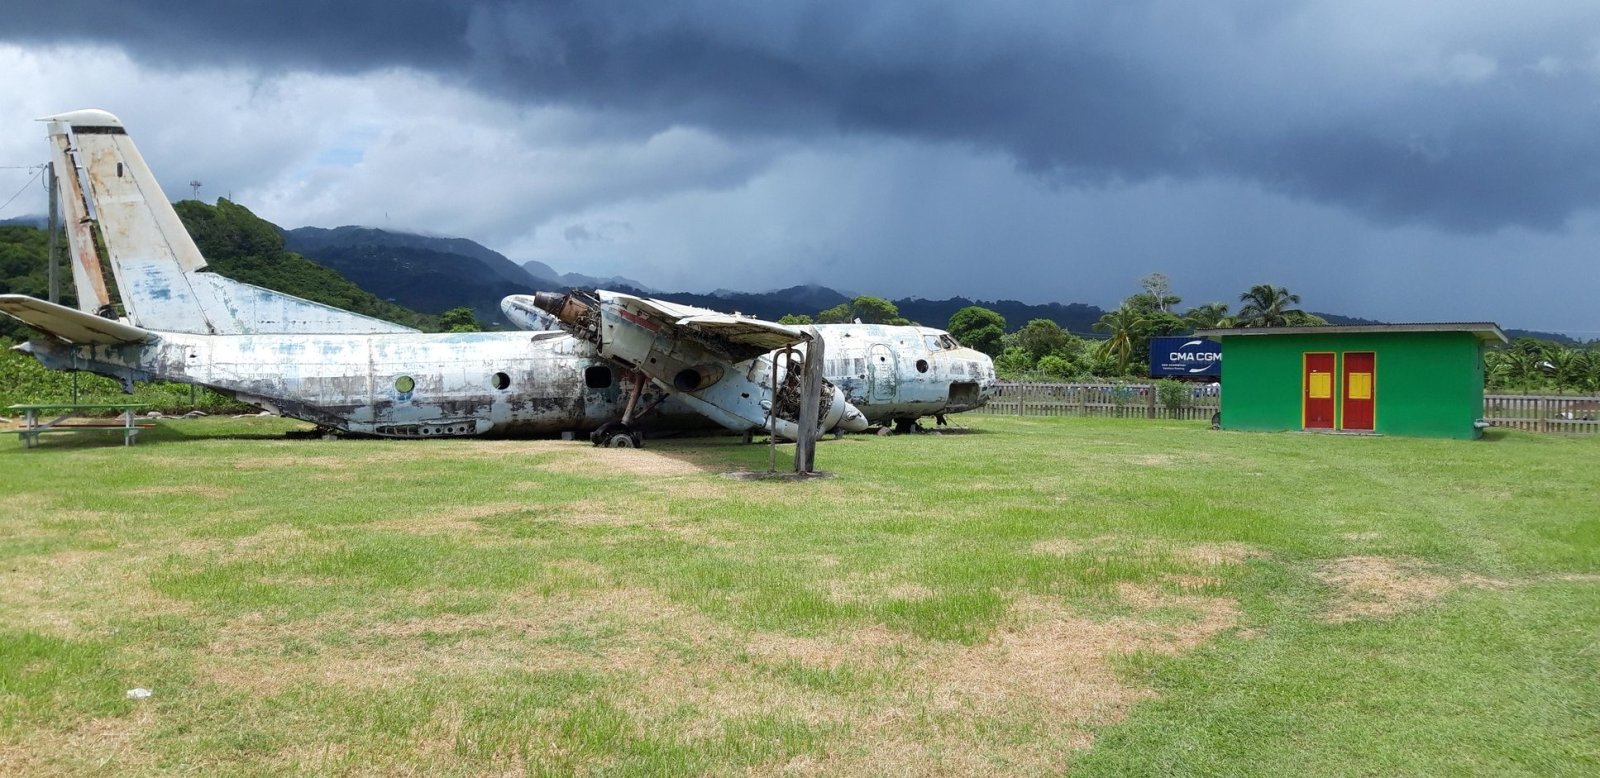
852,420
523,314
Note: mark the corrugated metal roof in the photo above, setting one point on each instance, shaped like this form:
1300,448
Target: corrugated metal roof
1485,330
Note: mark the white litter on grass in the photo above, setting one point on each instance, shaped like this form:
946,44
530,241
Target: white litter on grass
139,694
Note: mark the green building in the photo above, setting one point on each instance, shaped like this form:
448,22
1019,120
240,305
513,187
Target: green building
1392,379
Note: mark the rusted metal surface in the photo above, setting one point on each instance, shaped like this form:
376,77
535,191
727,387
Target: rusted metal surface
699,356
87,278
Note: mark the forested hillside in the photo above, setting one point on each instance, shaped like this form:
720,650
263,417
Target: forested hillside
24,270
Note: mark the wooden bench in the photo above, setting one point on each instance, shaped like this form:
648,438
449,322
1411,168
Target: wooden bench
33,426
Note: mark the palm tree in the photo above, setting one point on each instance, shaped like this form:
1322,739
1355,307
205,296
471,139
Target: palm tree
1266,305
1124,325
1208,317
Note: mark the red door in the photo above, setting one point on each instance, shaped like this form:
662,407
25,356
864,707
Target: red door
1360,389
1317,391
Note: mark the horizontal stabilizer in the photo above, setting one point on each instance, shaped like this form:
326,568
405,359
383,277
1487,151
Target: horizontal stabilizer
69,324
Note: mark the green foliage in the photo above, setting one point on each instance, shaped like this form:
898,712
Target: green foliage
244,247
978,328
1042,337
1173,394
866,309
1531,365
838,314
796,319
1013,363
1056,367
1209,316
24,269
460,319
1266,305
876,310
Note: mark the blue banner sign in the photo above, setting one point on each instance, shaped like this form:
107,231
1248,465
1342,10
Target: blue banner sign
1185,356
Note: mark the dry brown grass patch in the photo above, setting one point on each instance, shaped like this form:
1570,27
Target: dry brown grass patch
450,520
589,460
869,587
1578,577
1375,586
80,593
204,490
112,744
1201,554
929,707
1212,554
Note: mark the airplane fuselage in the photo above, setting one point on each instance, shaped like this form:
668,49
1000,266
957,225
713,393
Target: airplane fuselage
500,383
894,372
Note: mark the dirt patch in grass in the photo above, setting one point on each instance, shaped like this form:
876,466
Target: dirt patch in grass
1375,586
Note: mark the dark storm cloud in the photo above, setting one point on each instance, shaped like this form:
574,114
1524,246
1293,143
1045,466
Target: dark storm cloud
1464,121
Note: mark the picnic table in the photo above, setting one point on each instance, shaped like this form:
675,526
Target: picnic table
33,426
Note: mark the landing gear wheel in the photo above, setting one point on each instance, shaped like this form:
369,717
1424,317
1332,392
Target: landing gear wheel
904,426
615,434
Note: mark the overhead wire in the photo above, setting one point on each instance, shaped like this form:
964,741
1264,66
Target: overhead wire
24,188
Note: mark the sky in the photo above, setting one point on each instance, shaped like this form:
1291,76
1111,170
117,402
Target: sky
1432,160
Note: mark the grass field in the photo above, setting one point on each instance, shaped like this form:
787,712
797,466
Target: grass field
1034,596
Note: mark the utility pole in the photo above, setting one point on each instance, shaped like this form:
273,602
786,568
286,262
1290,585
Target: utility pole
55,227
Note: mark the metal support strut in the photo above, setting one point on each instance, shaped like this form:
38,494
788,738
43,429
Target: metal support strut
622,434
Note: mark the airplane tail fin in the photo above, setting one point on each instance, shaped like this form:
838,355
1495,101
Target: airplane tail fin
155,262
68,324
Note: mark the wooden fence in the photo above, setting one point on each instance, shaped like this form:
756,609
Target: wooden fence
1534,413
1543,412
1133,401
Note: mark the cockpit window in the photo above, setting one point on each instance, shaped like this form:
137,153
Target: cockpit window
934,343
948,342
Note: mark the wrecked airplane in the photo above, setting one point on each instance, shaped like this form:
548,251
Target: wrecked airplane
569,371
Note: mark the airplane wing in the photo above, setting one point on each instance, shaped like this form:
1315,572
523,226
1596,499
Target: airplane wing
69,324
738,337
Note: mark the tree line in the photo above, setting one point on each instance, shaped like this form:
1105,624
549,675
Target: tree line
1043,349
